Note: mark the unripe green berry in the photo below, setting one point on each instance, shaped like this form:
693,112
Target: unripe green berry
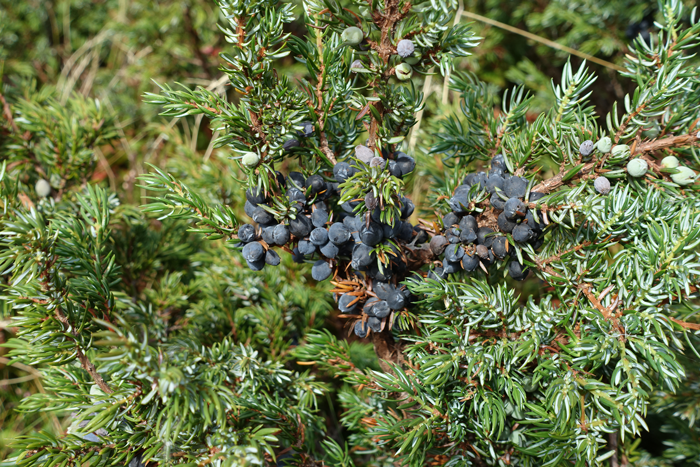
403,71
670,162
604,144
414,58
685,176
652,132
620,150
637,167
250,159
352,35
42,188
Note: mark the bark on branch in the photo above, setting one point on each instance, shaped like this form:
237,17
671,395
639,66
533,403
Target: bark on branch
686,325
670,142
387,350
650,146
84,361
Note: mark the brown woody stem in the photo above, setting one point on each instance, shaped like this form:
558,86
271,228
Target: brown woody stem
84,361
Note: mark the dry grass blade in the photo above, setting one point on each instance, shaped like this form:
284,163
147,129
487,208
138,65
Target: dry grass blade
542,40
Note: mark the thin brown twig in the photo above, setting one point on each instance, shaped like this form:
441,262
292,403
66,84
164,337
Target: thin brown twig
8,113
84,361
685,324
665,143
385,20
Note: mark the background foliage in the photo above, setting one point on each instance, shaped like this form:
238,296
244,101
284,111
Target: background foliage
182,316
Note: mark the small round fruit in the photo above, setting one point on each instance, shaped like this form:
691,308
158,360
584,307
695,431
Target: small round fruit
406,162
347,303
377,162
297,257
514,209
604,144
438,244
261,216
414,59
371,234
517,271
586,148
297,180
499,247
504,224
405,48
281,234
535,196
253,252
403,71
364,153
42,188
468,236
378,309
470,262
494,182
306,247
450,219
301,226
454,253
272,258
319,217
602,185
361,329
375,324
255,195
523,233
342,171
362,256
670,162
319,236
407,208
321,270
307,129
352,35
637,167
620,150
685,176
330,250
450,267
315,185
339,234
396,300
291,143
250,159
256,265
515,187
246,233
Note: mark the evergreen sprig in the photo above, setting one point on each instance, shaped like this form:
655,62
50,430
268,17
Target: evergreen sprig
156,347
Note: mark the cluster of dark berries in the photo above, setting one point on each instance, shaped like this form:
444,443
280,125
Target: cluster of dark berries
305,224
377,311
466,245
371,249
400,165
369,233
